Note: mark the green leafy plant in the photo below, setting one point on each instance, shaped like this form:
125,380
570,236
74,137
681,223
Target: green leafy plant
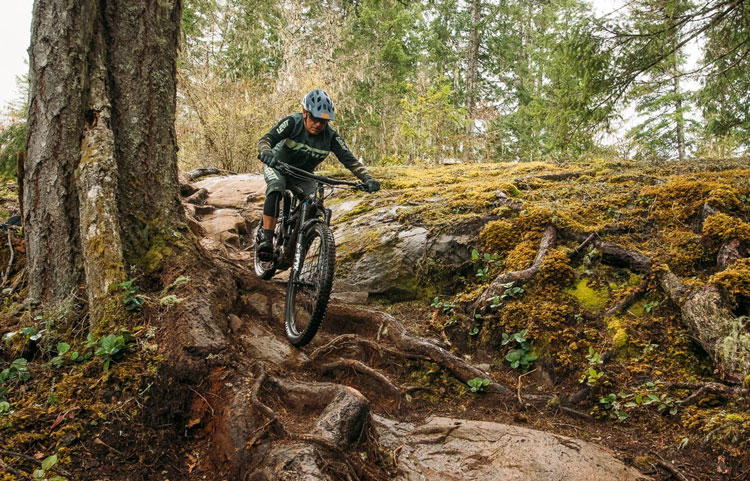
64,353
592,376
520,356
18,371
510,292
613,404
478,384
593,357
111,348
487,260
130,297
649,306
47,464
444,306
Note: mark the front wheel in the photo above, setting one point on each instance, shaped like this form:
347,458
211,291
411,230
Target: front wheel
310,285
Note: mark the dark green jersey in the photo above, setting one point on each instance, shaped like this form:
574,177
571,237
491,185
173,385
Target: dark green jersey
296,146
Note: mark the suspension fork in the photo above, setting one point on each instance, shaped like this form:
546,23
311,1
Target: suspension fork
304,211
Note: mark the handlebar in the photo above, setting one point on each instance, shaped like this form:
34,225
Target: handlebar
295,171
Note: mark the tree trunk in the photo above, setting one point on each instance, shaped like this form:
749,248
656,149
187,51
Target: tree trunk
472,68
100,184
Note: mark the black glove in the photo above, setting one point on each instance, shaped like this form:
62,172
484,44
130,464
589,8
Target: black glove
372,185
268,158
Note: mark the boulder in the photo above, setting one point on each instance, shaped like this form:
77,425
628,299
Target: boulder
445,449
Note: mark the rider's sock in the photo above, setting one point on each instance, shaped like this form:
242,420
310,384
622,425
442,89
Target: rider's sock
268,234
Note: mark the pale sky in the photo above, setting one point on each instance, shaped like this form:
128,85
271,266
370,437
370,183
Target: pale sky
15,31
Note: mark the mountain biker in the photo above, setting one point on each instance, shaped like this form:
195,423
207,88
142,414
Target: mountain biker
303,140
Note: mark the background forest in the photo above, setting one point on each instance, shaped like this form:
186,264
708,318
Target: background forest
439,81
435,81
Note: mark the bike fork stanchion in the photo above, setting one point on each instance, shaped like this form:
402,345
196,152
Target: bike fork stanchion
300,242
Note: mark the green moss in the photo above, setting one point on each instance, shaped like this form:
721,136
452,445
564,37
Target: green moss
588,297
619,335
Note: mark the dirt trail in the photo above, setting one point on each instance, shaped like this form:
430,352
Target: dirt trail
342,407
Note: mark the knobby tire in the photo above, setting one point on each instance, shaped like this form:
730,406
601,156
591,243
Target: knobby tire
307,295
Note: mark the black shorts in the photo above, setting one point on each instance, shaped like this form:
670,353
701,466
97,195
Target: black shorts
277,182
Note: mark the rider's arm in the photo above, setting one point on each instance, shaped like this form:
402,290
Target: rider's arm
339,148
279,132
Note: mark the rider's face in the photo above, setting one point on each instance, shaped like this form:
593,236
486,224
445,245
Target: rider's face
312,124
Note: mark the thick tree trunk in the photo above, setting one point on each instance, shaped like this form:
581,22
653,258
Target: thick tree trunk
100,184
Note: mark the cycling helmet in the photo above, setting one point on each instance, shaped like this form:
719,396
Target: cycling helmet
319,104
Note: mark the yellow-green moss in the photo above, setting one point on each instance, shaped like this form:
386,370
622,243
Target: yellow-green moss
555,270
619,335
735,279
724,198
588,297
522,255
499,236
721,227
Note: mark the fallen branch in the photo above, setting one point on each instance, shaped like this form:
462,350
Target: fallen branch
613,254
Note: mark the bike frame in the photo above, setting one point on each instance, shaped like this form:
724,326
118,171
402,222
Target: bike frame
298,213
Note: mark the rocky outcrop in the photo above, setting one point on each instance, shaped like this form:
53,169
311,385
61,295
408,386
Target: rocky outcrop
445,449
376,253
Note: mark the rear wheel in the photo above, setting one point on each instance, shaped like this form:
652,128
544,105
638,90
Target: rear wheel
308,292
263,269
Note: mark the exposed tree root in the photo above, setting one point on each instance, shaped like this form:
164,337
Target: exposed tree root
710,320
363,369
701,390
496,286
342,424
670,467
267,411
730,252
415,348
613,254
582,245
628,300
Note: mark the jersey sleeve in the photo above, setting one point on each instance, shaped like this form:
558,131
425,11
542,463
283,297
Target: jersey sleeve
342,152
279,132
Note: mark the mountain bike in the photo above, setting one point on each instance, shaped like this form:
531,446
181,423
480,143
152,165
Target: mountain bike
303,241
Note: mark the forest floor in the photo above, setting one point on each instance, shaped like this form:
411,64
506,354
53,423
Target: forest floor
629,381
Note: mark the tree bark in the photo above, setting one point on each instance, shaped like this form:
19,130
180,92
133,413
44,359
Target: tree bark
100,184
472,70
707,316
